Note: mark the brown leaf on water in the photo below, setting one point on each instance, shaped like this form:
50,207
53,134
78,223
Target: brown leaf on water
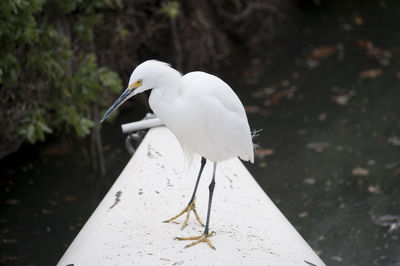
303,214
359,171
318,146
47,211
322,117
374,189
343,98
365,44
381,55
257,94
70,198
13,202
285,83
263,152
277,97
358,20
337,258
395,141
10,240
371,73
252,109
322,52
264,92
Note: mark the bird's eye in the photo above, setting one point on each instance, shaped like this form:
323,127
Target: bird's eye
139,82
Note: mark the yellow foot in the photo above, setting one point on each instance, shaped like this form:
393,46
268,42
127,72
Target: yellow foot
202,238
188,209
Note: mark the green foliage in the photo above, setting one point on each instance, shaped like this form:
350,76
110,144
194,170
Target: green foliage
80,90
33,127
170,9
48,65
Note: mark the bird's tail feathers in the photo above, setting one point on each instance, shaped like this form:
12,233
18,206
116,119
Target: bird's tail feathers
254,134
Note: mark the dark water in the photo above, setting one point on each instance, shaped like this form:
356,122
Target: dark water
335,168
330,134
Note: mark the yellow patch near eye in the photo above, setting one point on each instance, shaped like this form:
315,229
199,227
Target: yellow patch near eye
135,85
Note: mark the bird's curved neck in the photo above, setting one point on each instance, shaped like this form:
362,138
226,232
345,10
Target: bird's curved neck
164,96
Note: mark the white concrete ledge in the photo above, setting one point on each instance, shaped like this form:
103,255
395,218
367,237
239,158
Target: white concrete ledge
126,228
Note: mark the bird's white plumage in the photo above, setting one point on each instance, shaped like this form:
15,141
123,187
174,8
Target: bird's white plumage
221,126
201,110
205,115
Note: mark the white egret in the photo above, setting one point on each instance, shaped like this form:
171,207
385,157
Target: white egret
203,112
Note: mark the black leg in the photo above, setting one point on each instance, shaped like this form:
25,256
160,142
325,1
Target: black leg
191,206
211,192
203,163
204,237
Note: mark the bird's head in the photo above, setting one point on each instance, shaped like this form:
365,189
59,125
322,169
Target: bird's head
146,76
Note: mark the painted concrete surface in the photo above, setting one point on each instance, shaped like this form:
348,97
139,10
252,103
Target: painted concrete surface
156,184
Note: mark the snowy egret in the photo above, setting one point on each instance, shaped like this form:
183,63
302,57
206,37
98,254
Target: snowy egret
205,115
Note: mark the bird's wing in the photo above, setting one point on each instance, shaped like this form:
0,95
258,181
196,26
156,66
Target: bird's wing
217,116
199,83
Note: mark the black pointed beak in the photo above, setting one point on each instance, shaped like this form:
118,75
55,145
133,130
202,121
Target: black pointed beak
124,96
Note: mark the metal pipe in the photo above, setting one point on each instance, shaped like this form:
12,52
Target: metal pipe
140,125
